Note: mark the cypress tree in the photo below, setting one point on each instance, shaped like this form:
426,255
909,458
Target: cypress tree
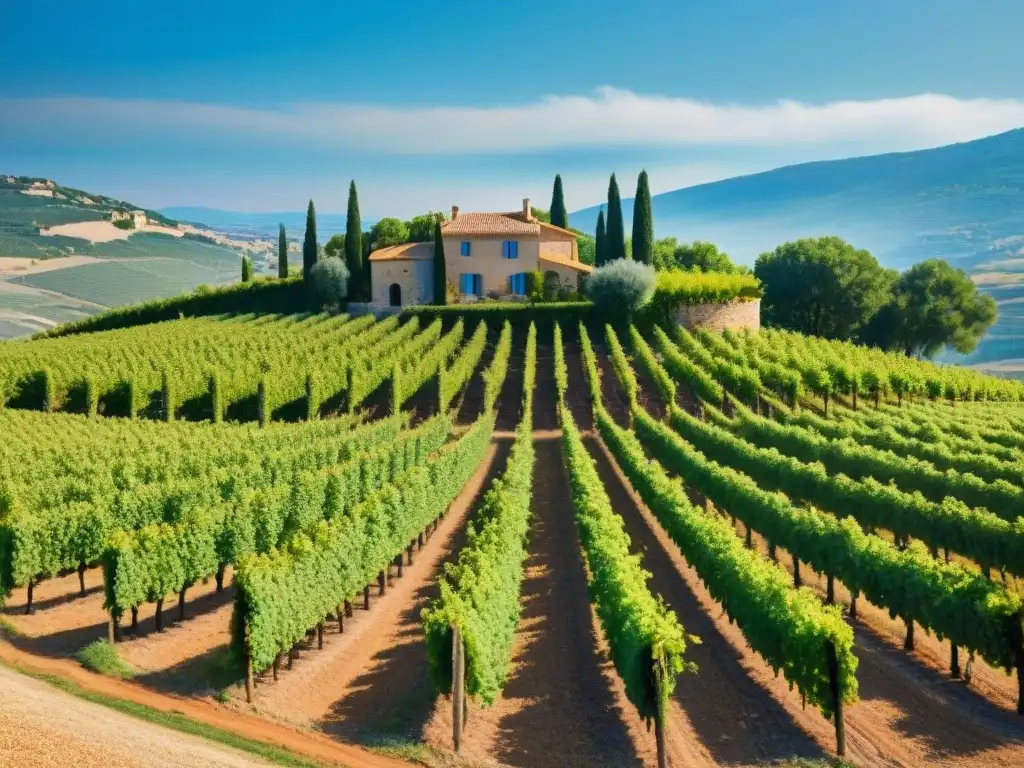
615,232
246,269
643,222
559,216
354,243
600,241
440,274
282,253
309,246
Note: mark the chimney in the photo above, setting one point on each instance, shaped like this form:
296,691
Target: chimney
527,214
455,212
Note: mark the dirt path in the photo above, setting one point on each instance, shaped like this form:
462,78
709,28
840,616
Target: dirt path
560,706
611,393
371,683
730,712
577,396
237,720
41,727
471,401
510,398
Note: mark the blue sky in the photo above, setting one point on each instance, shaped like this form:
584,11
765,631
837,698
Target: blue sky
260,106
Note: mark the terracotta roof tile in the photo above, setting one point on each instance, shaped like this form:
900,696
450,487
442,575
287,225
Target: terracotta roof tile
513,223
557,258
406,251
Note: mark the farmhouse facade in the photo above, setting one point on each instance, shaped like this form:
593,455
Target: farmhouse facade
486,255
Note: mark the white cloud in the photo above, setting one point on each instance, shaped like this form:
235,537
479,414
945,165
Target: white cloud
608,117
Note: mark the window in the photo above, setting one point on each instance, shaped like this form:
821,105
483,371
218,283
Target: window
517,284
510,249
464,248
471,285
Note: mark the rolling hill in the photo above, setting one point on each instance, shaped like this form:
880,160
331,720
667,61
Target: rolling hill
962,202
61,258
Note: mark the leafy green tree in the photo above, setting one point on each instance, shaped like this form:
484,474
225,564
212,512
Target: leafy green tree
643,222
586,246
933,306
440,274
704,256
600,241
282,253
335,247
354,242
540,214
559,216
615,232
663,253
822,286
421,228
246,269
387,232
310,249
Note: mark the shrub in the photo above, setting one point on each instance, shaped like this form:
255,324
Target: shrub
535,285
125,224
621,288
100,656
330,281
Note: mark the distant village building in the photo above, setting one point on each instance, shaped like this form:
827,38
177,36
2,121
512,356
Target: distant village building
486,255
10,179
137,217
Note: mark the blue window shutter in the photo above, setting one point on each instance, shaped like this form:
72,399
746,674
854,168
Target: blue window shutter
465,248
463,284
504,250
513,248
478,284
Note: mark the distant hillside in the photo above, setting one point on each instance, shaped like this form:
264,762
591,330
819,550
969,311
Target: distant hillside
61,257
963,203
261,225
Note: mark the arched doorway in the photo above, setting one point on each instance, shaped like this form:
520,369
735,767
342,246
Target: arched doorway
395,295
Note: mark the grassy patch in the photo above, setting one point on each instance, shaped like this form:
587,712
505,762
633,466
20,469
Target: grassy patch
179,722
100,656
421,754
7,628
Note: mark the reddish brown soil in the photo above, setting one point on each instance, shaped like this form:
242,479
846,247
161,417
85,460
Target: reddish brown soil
471,401
510,400
372,682
563,704
611,393
577,396
933,718
175,659
732,711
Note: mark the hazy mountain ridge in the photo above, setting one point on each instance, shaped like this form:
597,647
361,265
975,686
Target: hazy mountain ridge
962,202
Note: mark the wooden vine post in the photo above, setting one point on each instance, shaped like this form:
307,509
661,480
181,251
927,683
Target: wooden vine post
458,687
659,716
837,699
1016,637
249,681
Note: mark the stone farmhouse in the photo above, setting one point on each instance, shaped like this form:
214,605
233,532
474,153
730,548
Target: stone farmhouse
138,217
486,255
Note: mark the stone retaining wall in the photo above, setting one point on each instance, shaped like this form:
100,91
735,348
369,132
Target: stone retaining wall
718,317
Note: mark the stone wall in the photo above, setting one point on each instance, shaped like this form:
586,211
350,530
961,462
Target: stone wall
718,317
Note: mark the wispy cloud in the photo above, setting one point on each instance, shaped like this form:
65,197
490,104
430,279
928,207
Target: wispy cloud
608,117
